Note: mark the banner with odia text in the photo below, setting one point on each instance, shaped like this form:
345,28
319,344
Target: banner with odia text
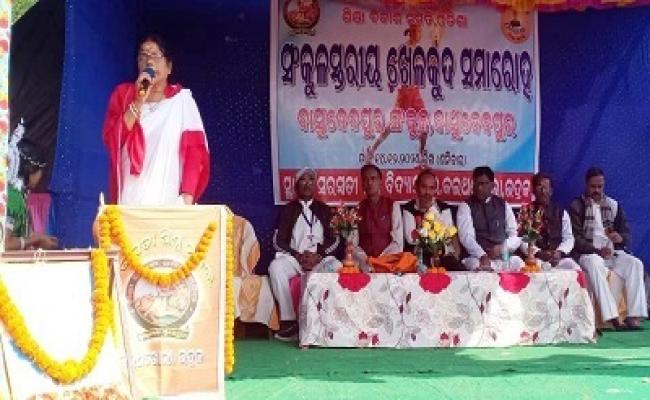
404,88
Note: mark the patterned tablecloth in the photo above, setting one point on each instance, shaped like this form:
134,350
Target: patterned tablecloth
445,310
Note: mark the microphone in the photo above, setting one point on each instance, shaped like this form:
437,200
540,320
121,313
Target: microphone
144,85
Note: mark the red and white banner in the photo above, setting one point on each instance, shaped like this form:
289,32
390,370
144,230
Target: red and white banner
403,88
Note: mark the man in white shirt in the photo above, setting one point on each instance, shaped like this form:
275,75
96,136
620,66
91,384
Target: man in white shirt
555,242
487,228
413,213
304,241
601,233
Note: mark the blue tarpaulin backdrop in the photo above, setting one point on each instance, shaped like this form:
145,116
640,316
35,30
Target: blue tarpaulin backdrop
594,81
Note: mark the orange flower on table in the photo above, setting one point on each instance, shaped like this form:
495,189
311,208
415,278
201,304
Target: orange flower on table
437,270
345,220
530,227
530,223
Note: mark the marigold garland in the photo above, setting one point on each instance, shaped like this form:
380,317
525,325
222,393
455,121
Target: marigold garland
111,230
229,348
68,371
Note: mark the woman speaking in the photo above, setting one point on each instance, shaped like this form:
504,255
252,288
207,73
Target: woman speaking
154,136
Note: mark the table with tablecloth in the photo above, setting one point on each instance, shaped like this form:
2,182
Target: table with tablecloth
454,309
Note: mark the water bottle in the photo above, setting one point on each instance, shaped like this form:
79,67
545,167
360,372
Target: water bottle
420,266
505,254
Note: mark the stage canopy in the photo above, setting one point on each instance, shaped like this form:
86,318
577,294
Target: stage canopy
593,89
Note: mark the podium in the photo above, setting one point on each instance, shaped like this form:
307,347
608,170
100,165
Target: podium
173,310
174,334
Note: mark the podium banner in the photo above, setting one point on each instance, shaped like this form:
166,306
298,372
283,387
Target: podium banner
403,87
174,336
54,298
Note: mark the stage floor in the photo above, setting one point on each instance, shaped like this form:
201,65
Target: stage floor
617,367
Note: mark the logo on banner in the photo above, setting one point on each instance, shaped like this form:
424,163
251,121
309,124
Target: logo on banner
162,312
301,15
516,25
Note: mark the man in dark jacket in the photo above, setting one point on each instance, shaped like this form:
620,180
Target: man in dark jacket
554,245
304,241
601,234
487,227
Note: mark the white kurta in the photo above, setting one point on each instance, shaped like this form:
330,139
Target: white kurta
628,269
307,234
163,124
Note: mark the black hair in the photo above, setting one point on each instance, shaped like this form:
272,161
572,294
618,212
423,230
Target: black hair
483,171
31,159
165,50
423,173
593,171
538,177
371,166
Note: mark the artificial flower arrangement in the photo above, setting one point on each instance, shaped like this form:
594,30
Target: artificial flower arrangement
433,235
344,222
530,224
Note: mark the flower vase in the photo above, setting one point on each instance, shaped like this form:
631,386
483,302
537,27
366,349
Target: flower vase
530,257
349,264
531,262
436,260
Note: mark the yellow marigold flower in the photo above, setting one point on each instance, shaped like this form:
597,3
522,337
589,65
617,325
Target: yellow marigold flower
201,248
166,280
177,276
186,269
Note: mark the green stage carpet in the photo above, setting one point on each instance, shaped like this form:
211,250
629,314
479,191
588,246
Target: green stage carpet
617,367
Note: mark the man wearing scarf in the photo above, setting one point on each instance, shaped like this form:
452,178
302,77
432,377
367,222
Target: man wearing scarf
556,240
304,242
601,233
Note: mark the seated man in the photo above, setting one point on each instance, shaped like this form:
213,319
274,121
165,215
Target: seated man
414,210
487,227
601,232
555,243
304,241
380,227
